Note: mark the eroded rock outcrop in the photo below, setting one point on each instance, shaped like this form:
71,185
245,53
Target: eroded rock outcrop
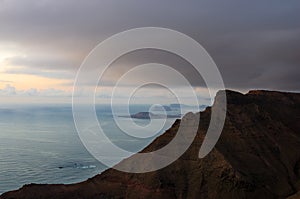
257,156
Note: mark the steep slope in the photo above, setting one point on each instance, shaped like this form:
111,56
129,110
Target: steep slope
257,156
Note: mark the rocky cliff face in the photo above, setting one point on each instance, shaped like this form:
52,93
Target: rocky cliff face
257,156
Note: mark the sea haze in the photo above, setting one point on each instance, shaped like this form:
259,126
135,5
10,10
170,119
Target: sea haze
39,144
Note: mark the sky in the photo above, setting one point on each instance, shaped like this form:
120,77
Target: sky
255,44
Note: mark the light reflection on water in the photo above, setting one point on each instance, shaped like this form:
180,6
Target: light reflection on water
39,144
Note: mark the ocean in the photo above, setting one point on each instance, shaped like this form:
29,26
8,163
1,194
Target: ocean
40,144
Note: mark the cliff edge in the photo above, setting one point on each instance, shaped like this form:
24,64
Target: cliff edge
257,156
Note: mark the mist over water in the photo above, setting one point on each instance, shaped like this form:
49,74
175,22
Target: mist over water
39,144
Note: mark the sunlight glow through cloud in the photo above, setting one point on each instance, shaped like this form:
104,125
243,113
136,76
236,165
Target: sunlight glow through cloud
262,48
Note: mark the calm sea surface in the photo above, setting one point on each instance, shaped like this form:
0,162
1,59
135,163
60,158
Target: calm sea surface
39,144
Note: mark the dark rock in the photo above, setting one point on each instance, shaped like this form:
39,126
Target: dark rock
257,156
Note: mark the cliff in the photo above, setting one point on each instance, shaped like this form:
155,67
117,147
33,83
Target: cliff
257,156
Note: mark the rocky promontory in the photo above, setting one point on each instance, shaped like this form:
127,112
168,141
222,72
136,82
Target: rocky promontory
257,156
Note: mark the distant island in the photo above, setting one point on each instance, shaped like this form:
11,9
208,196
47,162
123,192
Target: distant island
161,108
156,111
150,115
257,156
184,106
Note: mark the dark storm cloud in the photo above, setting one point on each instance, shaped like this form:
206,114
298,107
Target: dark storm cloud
255,44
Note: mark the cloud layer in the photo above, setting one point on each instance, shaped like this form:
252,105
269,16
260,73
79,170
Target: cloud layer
255,44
